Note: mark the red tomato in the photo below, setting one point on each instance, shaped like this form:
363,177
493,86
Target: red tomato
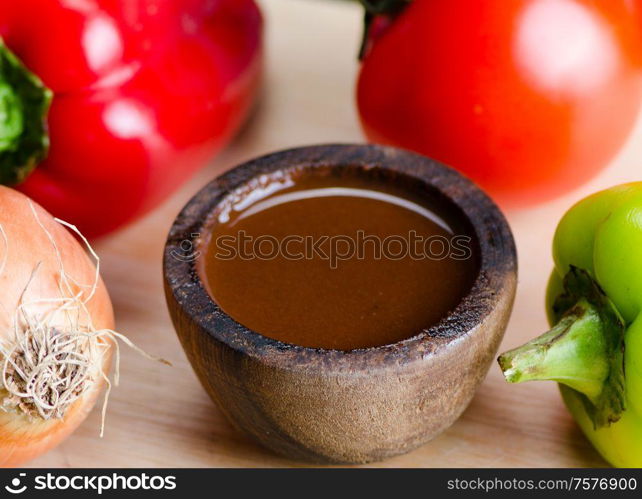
528,97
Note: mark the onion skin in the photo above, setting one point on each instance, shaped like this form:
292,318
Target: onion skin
23,438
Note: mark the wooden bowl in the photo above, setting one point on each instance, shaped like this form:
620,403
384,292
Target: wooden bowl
331,406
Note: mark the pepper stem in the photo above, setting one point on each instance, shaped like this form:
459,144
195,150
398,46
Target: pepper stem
573,352
24,103
374,8
584,350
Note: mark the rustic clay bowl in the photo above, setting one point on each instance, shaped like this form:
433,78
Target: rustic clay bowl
334,406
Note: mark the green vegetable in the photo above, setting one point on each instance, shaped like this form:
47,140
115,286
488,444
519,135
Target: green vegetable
594,302
24,103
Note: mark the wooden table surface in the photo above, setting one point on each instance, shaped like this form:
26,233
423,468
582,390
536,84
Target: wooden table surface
160,416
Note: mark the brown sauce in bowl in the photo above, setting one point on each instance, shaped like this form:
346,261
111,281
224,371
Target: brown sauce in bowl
337,262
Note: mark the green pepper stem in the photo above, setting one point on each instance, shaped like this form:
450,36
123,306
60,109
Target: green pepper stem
573,353
24,103
584,350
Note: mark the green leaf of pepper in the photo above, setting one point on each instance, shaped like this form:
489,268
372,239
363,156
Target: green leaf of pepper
24,103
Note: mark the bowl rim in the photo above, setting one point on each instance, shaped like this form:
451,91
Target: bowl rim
497,256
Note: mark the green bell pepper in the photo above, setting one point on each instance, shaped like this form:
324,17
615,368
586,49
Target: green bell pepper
594,302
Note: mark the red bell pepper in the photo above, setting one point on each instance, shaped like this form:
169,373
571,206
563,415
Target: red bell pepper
139,94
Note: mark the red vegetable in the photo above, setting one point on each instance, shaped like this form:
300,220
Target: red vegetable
528,97
144,92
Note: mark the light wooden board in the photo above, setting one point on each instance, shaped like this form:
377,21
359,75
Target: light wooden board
160,417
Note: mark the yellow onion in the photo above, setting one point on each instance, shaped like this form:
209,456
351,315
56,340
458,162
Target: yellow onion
56,323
